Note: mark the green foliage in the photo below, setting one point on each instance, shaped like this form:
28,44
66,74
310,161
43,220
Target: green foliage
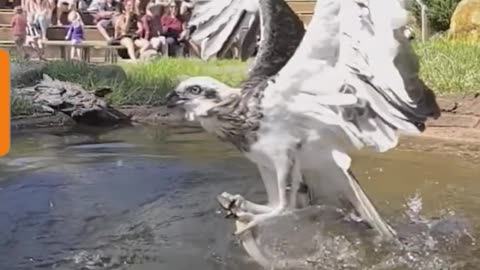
20,106
439,13
147,82
449,67
73,71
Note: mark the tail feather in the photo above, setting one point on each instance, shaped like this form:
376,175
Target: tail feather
332,183
366,209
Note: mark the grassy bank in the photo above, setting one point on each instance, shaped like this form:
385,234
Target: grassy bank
148,82
450,67
447,67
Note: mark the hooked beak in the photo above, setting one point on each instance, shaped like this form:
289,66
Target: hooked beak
174,100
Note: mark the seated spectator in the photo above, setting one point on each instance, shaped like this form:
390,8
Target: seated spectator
186,10
102,5
172,27
152,29
127,31
19,27
64,7
141,6
82,5
107,11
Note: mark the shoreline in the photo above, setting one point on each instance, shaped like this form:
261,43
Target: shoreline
459,123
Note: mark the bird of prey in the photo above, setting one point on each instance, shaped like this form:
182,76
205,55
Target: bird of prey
349,82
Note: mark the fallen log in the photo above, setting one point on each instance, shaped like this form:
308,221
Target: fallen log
84,107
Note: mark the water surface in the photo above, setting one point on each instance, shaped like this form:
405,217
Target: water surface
144,198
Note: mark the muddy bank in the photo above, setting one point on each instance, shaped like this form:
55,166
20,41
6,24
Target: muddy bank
138,115
159,115
44,99
460,120
459,123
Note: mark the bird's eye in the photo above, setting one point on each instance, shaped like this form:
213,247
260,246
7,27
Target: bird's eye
195,89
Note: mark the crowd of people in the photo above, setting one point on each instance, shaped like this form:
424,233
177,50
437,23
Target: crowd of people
144,24
138,25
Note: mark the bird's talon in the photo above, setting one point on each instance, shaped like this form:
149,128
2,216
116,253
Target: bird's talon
254,220
230,214
232,204
240,231
229,202
245,216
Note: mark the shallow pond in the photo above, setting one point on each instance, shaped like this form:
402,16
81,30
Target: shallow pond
145,198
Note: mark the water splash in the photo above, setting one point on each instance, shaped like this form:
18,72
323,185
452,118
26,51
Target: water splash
414,207
323,240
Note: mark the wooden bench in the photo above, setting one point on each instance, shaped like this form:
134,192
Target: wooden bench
111,55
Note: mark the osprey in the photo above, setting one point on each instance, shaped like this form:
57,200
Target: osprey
349,82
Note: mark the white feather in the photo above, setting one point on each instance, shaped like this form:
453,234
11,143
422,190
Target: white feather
215,22
343,38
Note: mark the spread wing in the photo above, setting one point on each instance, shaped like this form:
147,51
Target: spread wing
219,22
281,32
354,70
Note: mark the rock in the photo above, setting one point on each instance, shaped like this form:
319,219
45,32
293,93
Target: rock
157,116
82,106
26,73
42,121
465,21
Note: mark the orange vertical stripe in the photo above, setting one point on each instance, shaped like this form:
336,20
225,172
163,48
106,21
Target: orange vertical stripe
4,103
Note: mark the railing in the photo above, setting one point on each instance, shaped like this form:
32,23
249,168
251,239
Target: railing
423,19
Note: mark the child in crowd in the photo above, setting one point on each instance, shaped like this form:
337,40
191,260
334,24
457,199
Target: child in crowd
75,34
19,29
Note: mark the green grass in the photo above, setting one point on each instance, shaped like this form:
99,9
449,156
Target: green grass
150,81
20,106
450,67
147,83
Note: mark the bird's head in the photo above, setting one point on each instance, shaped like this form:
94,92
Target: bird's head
197,95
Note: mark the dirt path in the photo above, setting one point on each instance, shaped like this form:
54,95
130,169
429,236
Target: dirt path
460,120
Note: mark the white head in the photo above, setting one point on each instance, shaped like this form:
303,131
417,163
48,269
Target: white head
197,95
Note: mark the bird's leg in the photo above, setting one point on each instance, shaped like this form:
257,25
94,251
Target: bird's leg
299,193
235,204
286,168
